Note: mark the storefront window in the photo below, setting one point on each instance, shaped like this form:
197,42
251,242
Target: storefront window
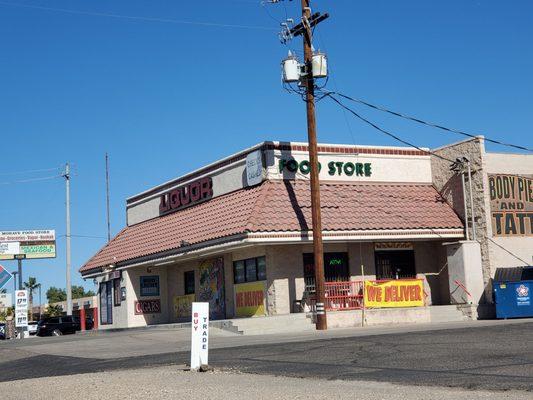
336,268
116,292
395,264
238,272
106,303
249,270
188,278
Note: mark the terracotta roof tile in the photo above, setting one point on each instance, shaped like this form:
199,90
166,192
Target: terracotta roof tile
283,206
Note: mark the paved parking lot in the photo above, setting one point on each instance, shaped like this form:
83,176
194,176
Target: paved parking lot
495,355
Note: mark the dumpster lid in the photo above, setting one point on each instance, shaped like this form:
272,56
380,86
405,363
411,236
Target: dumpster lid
514,274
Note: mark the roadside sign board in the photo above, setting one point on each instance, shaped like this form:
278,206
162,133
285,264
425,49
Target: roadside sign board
21,308
9,248
199,335
5,276
32,244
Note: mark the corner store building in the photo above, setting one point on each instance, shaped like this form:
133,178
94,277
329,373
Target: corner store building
236,233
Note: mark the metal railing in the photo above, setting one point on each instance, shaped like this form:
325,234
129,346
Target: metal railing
344,295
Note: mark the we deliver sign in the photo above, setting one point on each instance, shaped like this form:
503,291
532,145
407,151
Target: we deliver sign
395,293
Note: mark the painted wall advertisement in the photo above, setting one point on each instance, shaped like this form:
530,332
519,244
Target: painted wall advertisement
212,287
394,293
511,205
250,299
31,244
183,306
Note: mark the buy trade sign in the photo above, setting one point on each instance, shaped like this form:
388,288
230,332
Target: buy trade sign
4,277
199,335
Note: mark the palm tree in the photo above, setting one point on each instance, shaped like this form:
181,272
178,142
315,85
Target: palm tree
31,285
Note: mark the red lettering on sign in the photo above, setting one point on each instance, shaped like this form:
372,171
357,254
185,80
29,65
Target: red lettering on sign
186,195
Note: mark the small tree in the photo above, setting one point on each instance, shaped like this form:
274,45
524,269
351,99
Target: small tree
31,285
53,310
55,295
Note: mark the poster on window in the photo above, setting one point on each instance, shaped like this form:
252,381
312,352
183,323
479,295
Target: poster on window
250,299
183,306
150,286
212,287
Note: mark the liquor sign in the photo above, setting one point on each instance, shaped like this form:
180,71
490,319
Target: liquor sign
186,195
394,293
21,308
147,307
199,335
511,205
31,244
250,299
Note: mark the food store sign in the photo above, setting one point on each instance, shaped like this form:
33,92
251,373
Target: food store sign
334,168
395,293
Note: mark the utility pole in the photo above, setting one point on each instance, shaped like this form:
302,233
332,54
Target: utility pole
318,249
66,175
107,196
19,273
305,75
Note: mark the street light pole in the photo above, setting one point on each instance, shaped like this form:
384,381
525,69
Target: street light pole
66,175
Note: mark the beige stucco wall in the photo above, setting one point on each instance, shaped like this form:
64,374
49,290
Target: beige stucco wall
496,252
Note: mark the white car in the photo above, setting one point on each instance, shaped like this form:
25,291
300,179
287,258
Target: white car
32,328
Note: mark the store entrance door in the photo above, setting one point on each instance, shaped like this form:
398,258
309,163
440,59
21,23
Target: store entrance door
395,264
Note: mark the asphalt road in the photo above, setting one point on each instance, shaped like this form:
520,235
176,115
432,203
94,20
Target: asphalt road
493,357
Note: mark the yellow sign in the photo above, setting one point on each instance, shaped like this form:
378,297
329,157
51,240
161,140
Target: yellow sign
250,299
394,293
183,306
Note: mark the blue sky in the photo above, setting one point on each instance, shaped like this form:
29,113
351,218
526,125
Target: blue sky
164,97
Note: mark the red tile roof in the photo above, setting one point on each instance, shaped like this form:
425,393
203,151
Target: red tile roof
276,206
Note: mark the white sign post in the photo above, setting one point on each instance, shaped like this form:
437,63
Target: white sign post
199,335
21,308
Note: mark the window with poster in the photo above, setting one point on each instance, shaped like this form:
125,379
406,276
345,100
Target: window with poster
336,269
106,303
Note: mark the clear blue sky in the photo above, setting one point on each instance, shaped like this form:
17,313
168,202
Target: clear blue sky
163,97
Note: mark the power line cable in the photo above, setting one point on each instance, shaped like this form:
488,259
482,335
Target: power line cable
395,137
30,171
431,124
45,178
137,18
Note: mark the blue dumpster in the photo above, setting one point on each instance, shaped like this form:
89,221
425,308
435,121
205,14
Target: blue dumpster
513,299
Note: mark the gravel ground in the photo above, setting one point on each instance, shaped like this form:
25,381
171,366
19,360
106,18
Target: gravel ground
173,383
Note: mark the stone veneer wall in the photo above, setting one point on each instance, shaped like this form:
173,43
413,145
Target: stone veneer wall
449,185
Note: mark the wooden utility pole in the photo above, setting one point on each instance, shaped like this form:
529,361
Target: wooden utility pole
318,250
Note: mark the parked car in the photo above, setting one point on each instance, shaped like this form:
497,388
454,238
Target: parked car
57,326
32,328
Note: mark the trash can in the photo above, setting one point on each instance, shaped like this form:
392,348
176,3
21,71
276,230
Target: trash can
513,298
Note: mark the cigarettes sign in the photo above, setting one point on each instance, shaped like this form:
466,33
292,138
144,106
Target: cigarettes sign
199,335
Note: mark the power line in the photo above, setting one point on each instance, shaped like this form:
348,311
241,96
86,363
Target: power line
431,124
30,171
395,137
45,178
137,18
